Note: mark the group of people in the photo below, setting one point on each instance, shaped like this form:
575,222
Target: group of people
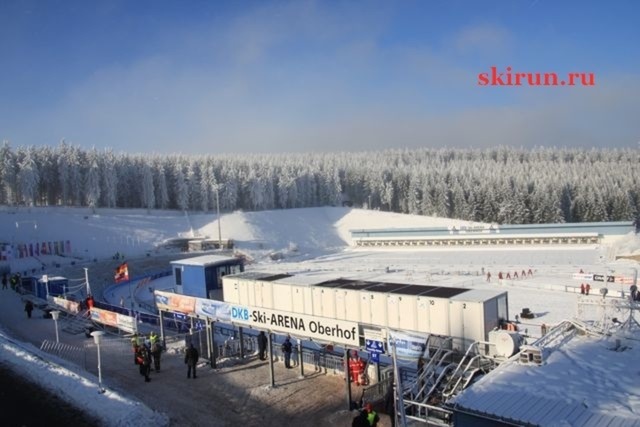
146,351
509,276
14,280
585,288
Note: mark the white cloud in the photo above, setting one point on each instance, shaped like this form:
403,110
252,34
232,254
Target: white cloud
483,38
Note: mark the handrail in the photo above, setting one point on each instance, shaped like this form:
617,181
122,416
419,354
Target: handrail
456,374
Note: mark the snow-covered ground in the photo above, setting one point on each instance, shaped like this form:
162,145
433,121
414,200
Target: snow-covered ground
314,240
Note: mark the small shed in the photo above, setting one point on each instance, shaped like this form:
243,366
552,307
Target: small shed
202,276
41,287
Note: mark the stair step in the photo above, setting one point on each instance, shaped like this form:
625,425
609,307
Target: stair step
75,324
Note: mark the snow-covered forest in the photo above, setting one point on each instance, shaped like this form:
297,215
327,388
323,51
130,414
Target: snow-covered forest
503,184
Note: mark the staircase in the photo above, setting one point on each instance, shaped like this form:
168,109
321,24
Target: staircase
75,324
470,365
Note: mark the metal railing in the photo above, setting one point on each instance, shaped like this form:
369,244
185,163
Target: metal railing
75,355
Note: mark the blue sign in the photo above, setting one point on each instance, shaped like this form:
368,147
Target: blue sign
374,357
373,346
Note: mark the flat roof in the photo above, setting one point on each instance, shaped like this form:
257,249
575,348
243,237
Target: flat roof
478,295
396,288
205,260
249,275
616,228
592,384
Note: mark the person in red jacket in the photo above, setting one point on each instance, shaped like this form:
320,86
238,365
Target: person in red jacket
356,366
90,301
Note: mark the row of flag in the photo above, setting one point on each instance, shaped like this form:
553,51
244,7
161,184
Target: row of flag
24,250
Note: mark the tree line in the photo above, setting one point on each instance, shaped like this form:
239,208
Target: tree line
500,185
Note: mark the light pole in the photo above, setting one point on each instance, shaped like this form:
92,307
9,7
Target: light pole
97,337
55,314
219,226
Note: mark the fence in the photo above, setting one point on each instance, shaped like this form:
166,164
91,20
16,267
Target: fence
228,346
75,355
320,359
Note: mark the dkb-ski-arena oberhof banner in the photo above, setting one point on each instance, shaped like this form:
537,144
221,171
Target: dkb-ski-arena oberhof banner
337,331
321,328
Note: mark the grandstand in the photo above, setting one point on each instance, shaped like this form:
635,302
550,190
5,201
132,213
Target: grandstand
495,235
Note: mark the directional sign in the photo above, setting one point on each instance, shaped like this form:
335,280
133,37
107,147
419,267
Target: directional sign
373,346
374,357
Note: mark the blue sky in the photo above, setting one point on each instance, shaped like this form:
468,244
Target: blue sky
201,76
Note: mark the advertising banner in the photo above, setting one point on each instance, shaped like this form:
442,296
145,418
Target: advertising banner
117,320
175,302
409,345
216,310
67,305
582,276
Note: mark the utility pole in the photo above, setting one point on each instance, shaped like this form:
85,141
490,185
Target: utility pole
219,226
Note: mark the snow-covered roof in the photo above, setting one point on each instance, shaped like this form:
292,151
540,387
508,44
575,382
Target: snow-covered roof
578,369
204,260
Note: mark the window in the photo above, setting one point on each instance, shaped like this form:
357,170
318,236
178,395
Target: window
177,272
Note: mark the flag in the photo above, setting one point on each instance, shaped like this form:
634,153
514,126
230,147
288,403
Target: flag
122,273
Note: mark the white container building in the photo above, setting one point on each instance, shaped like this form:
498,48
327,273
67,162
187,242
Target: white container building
467,315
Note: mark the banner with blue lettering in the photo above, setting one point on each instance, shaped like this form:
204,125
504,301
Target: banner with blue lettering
409,345
216,310
300,325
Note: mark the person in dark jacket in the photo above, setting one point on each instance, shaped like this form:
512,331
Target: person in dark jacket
28,307
262,345
287,348
390,405
156,352
191,360
143,358
360,420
